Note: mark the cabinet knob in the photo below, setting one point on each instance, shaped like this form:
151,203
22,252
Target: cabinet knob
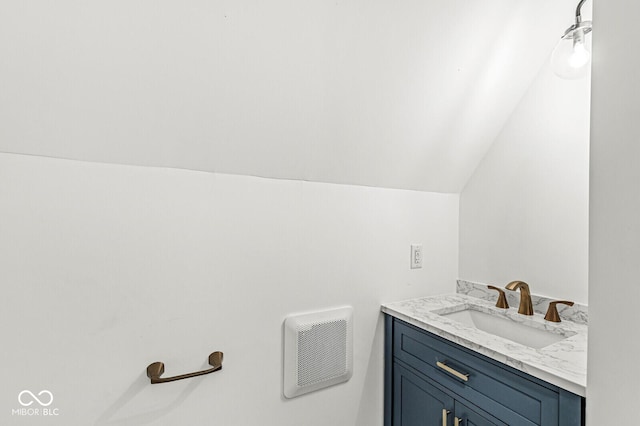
552,312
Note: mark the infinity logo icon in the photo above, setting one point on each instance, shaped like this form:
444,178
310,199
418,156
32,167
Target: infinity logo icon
26,404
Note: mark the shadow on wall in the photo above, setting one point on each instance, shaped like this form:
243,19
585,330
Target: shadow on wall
141,383
369,411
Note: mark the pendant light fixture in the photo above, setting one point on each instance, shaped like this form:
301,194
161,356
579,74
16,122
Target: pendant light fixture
571,57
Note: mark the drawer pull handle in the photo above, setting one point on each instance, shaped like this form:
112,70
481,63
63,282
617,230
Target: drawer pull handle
445,414
459,375
458,422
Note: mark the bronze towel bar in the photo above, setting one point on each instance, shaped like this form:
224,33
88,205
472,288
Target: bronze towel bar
155,370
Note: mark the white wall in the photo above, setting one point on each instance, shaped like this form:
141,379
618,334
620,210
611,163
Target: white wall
370,92
614,269
524,212
107,268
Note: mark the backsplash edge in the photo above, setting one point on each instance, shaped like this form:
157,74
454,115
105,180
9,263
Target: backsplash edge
577,313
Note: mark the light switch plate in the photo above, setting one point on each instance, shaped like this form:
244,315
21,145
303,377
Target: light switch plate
416,256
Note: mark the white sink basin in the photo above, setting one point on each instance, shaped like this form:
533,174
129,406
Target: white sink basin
506,328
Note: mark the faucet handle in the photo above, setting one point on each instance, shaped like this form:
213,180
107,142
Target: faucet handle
552,312
502,299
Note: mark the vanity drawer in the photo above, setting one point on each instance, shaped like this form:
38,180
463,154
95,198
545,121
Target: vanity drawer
512,395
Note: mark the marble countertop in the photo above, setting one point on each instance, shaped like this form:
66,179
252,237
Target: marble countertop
563,364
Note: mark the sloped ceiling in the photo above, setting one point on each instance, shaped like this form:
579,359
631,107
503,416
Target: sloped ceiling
400,94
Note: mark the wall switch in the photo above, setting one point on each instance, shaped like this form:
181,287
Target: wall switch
416,256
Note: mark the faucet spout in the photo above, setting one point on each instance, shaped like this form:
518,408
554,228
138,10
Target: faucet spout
526,306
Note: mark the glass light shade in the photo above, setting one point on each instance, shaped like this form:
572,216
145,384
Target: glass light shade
571,57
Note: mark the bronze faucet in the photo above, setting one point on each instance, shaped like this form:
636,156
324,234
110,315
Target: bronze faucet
552,311
502,299
526,306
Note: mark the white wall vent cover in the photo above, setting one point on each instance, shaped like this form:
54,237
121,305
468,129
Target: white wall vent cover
318,350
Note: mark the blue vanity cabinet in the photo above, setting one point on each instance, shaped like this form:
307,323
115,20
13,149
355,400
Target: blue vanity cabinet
430,381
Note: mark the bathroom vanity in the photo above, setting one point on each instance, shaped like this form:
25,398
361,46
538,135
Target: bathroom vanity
440,370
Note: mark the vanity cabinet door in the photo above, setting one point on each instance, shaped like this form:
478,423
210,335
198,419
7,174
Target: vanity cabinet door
418,403
475,417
